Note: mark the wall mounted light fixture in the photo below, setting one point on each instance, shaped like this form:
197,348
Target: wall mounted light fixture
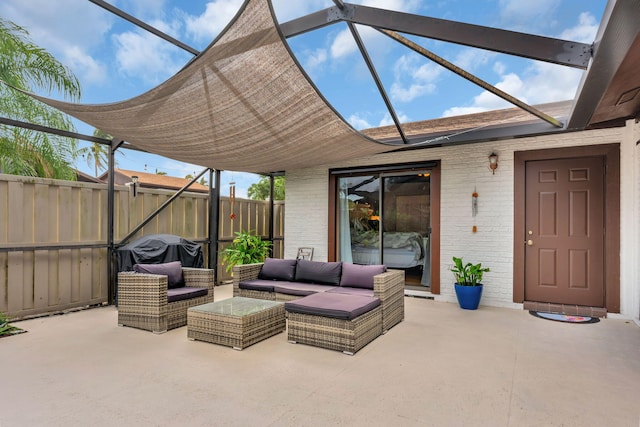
134,184
493,162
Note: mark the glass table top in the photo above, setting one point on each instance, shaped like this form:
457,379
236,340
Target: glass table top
237,306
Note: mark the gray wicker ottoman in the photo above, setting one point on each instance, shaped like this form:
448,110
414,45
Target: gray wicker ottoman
334,321
235,322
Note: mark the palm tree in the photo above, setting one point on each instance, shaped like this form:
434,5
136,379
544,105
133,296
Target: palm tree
97,154
25,66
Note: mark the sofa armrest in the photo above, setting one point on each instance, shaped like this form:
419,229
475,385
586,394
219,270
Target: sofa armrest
199,277
388,284
142,289
142,301
245,272
389,288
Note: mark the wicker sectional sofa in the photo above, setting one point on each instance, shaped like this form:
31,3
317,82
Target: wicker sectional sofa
340,306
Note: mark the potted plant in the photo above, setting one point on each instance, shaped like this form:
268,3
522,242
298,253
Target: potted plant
246,248
468,283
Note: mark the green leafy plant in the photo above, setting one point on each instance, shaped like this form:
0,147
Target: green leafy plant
468,274
246,248
5,327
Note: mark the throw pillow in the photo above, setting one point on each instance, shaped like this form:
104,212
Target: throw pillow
327,273
360,276
278,269
173,271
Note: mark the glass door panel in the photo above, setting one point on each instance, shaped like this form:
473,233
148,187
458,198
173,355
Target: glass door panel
359,219
406,225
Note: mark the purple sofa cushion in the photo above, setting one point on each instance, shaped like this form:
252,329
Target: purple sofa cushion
258,285
327,273
173,271
338,306
185,292
360,276
299,288
351,291
278,269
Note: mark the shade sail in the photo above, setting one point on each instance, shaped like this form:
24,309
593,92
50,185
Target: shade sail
243,104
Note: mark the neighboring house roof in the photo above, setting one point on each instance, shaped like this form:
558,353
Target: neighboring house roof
457,124
152,180
83,177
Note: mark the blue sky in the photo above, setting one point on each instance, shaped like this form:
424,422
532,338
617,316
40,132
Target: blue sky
115,60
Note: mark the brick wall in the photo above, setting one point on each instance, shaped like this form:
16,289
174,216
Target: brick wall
465,168
305,224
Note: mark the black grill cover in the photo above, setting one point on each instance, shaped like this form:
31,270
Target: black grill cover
160,248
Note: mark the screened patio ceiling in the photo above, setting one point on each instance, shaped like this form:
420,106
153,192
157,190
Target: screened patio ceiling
245,104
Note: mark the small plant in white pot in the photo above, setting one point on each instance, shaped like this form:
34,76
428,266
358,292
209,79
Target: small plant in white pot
468,283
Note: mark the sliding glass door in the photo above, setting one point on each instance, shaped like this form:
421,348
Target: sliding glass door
384,218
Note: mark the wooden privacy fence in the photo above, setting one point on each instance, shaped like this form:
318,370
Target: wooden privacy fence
54,215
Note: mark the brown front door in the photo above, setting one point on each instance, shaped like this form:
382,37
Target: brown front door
564,231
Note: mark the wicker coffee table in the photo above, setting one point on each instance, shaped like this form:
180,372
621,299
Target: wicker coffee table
235,322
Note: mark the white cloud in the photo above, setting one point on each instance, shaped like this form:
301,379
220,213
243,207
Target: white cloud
584,32
407,94
314,59
56,27
487,101
217,15
499,68
376,43
343,44
146,10
397,5
141,54
90,70
548,83
414,77
359,122
528,15
287,10
472,59
388,121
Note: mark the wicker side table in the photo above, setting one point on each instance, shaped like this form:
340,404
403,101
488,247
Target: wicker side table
235,322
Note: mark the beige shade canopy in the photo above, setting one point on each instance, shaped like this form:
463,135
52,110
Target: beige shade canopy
243,104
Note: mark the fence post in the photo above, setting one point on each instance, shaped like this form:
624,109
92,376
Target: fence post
214,214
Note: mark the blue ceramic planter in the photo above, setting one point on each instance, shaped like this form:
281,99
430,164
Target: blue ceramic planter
468,296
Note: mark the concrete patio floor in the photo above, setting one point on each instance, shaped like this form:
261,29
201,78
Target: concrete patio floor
442,366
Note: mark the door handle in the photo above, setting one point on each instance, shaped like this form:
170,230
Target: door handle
529,242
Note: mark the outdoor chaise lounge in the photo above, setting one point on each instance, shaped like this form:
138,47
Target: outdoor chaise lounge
340,306
155,297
